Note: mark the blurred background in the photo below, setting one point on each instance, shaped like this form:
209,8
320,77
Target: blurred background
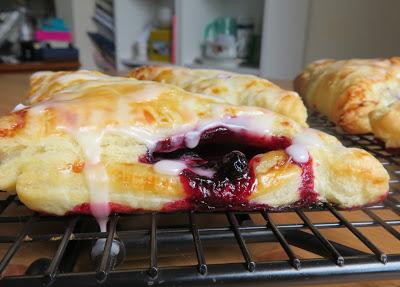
270,38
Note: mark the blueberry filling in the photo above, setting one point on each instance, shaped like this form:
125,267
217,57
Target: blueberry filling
228,188
228,154
232,166
215,143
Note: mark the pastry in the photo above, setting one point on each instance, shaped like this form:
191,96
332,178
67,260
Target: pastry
384,124
238,89
105,144
347,91
44,84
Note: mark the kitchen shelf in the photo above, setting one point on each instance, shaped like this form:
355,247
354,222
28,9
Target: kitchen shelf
39,66
278,22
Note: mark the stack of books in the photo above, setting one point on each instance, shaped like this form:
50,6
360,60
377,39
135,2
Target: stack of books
103,14
103,39
56,41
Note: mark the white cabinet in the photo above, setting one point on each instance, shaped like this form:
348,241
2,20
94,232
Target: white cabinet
282,25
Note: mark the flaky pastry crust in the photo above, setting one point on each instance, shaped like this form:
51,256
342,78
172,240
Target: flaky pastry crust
238,89
347,91
385,124
84,144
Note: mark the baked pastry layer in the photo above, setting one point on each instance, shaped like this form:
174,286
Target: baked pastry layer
108,143
385,124
347,91
238,89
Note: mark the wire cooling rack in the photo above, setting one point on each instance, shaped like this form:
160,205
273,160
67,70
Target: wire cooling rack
310,246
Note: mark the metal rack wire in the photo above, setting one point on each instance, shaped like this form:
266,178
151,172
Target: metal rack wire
335,261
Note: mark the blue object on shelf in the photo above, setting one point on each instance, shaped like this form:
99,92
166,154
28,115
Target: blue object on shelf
53,24
103,43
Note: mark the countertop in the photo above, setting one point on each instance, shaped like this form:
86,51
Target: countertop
13,88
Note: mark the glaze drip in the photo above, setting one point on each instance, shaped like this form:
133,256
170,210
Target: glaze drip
96,175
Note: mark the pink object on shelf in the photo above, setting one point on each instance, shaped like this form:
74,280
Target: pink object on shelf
42,35
173,52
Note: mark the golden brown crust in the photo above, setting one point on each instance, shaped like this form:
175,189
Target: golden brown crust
384,124
11,124
234,88
44,84
48,160
347,91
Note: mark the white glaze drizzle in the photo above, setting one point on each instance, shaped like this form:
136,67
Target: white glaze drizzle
102,221
19,107
224,76
309,137
148,92
169,167
203,172
96,175
260,124
298,150
175,167
140,134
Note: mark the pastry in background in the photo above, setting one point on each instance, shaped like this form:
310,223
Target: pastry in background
359,95
385,124
237,89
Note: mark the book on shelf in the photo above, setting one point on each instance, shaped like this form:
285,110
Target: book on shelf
47,35
100,22
103,43
107,33
107,6
103,20
103,60
59,54
108,17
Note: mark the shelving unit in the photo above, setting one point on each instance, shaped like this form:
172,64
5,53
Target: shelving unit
195,15
131,17
282,31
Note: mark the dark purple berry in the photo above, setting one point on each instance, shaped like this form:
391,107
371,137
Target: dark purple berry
233,165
